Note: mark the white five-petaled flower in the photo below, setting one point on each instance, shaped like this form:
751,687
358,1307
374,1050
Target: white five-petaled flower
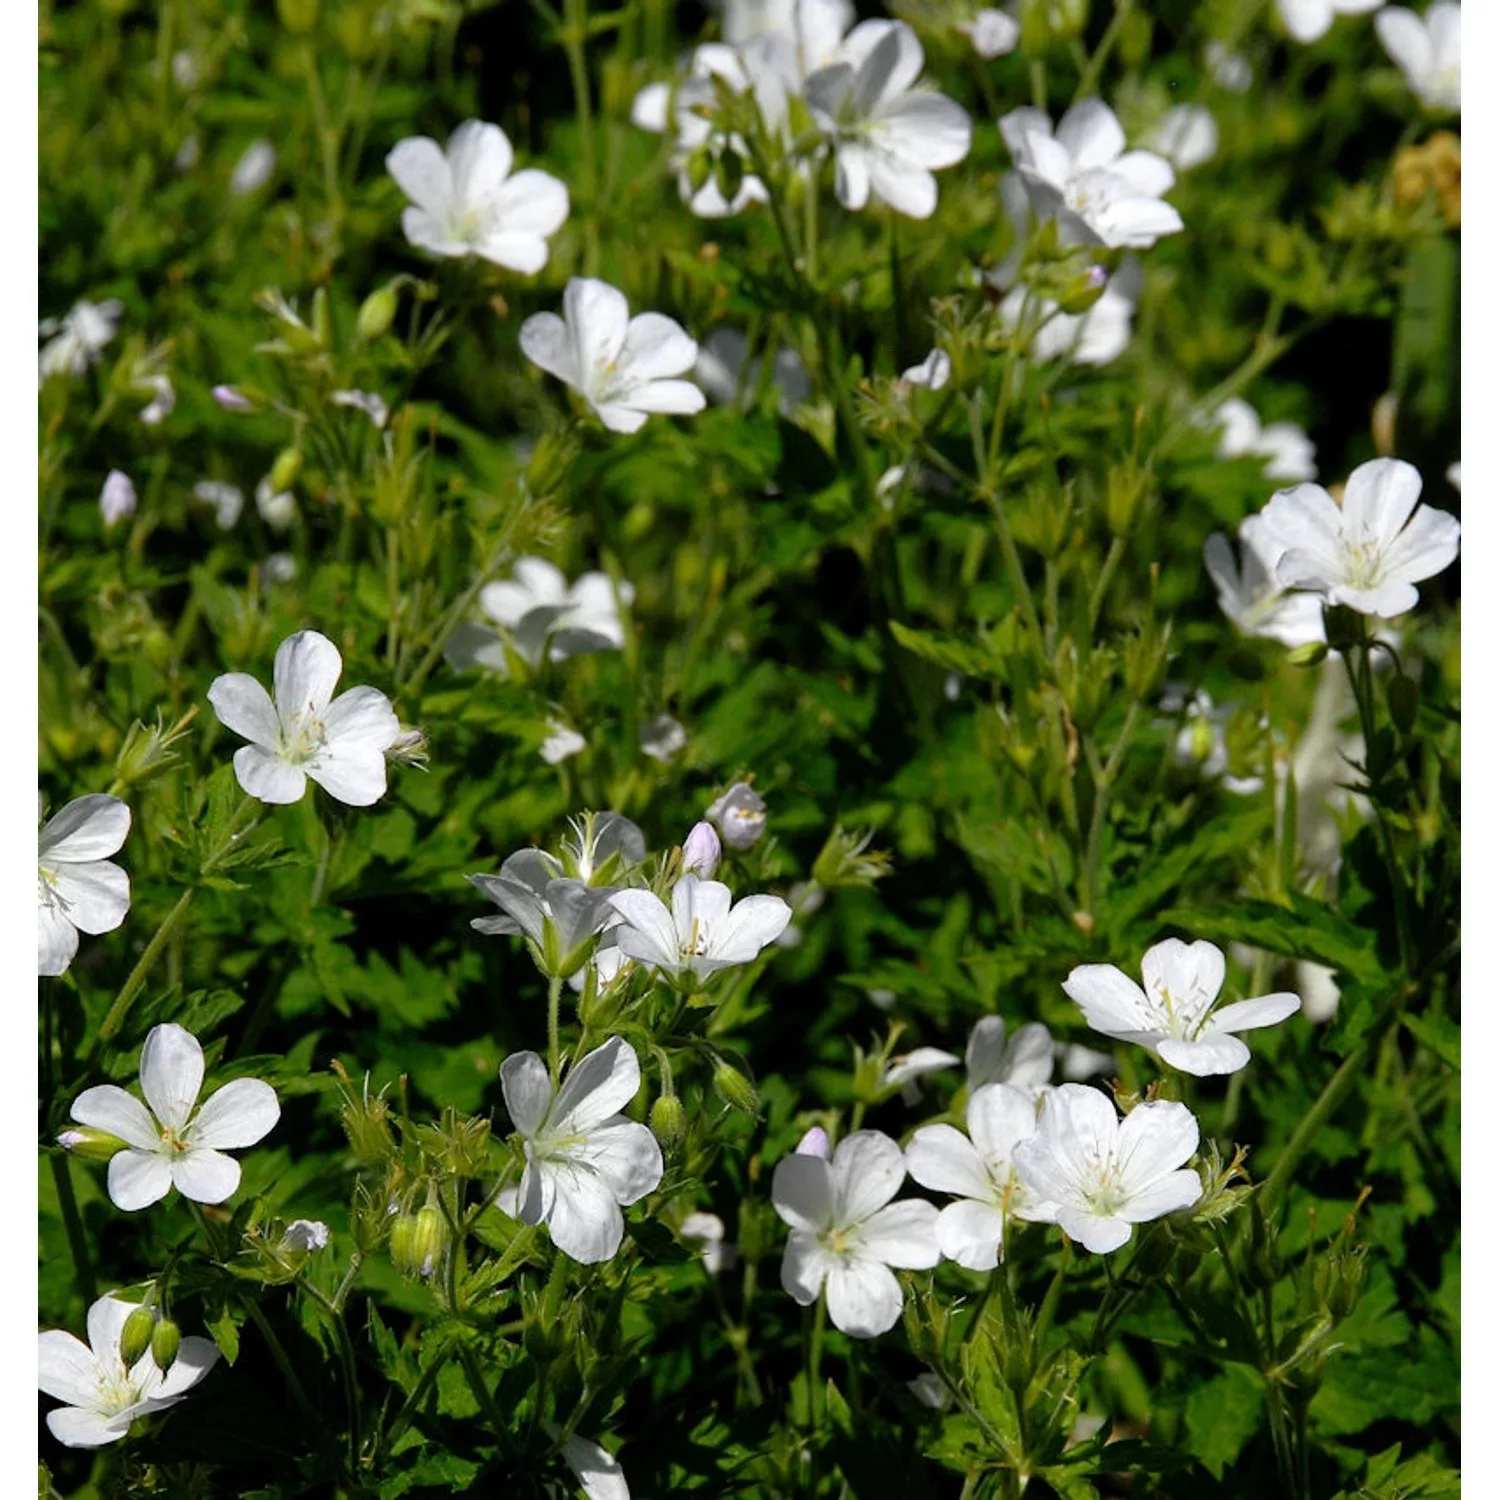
539,608
559,916
228,500
847,1234
584,1159
623,367
104,1397
175,1143
1096,1176
1201,740
1250,596
1307,20
467,202
1288,451
1097,336
700,934
1082,176
79,888
663,738
1024,1062
992,33
306,731
888,136
1368,553
979,1169
1187,135
740,815
1426,49
1175,1015
307,1234
77,338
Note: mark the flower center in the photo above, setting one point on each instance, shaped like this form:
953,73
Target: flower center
47,893
1104,1193
303,739
695,944
115,1391
1363,563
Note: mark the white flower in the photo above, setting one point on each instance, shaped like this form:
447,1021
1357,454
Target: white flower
706,1231
620,365
1024,1062
740,814
562,741
598,1471
818,25
176,1144
560,916
1319,986
1287,449
906,1069
254,168
663,738
1230,70
1307,20
1095,337
847,1234
700,934
279,567
1186,135
228,500
933,373
729,376
367,402
103,1397
1082,176
163,398
306,731
80,336
701,851
307,1234
888,137
1096,1176
278,508
1175,1015
992,33
539,609
1200,740
79,889
584,1159
1426,49
979,1169
1368,553
117,498
466,202
1252,599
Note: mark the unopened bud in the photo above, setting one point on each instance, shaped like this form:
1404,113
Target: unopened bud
233,400
306,1234
734,1088
1082,292
740,814
815,1143
668,1120
701,851
376,314
135,1336
91,1144
285,470
165,1342
278,508
117,498
1311,654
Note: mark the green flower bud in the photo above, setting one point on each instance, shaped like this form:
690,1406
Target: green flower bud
285,470
699,165
429,1239
91,1144
165,1342
734,1088
1313,654
136,1335
668,1120
376,314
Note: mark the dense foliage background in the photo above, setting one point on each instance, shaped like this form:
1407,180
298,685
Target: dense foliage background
970,662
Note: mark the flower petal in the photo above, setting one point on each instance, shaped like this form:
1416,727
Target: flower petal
354,773
480,158
1249,1015
96,896
864,1297
1094,1232
649,933
585,1221
657,347
1207,1057
868,1169
903,1234
137,1179
1379,497
755,923
598,319
597,1086
600,1476
244,706
237,1115
802,1193
108,1107
421,171
88,828
972,1234
527,1089
625,1156
306,672
999,1116
545,341
804,1267
195,1358
1110,1001
264,774
362,716
205,1176
675,398
56,941
1155,1139
1168,1195
944,1159
171,1073
66,1367
74,1427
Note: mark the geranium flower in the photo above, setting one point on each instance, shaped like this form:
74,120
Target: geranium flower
978,1168
1096,337
730,377
1426,49
700,934
1250,596
561,742
663,738
174,1143
466,202
306,731
104,1397
559,916
253,169
228,500
1095,1176
887,136
740,815
1201,742
1175,1015
79,889
1082,176
584,1159
1187,135
933,373
540,609
1368,553
847,1234
77,338
1287,449
1307,20
706,1233
620,365
992,33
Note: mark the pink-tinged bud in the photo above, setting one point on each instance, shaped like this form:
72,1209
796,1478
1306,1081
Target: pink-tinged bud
117,498
231,400
306,1234
700,852
89,1143
740,814
815,1143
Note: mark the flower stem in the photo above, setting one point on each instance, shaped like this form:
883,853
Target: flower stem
554,1000
137,977
83,1272
575,30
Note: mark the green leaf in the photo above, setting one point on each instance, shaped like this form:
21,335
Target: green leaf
1439,1035
944,651
1222,1415
225,1333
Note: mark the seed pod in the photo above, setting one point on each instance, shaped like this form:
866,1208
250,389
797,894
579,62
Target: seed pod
668,1120
165,1342
734,1088
135,1336
376,314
